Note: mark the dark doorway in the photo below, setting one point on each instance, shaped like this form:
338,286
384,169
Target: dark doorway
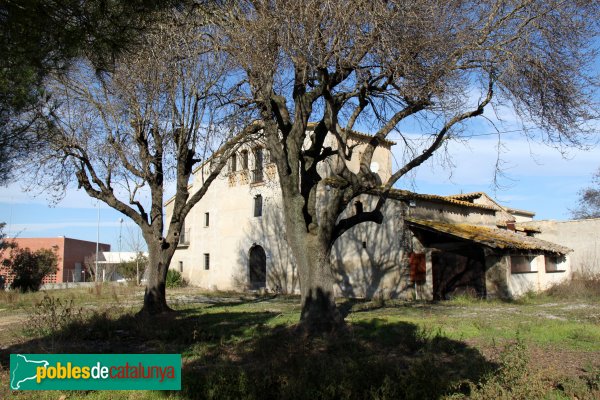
457,273
258,267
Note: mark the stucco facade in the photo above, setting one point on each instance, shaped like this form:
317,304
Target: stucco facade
583,236
234,238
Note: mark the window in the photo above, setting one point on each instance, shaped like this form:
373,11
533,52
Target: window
206,219
244,159
233,166
553,263
180,266
520,264
257,172
358,207
258,205
184,236
206,261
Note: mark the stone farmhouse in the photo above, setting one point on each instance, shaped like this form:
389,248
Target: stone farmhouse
428,247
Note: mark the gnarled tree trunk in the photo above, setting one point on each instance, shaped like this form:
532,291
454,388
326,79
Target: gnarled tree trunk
159,258
319,312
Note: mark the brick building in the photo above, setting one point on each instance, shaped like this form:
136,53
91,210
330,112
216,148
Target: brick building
71,256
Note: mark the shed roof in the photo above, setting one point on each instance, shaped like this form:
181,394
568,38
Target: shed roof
401,194
491,237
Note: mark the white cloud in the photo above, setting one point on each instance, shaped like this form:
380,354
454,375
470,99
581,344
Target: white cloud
23,229
475,162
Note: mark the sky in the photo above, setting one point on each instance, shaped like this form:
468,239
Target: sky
535,177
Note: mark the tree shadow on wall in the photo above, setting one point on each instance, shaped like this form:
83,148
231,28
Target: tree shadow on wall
378,262
268,232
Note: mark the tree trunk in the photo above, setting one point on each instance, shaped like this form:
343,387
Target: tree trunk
155,300
319,312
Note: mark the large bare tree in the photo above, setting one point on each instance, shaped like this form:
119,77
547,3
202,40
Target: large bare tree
124,135
378,64
589,200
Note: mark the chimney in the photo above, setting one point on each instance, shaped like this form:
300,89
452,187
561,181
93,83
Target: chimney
510,225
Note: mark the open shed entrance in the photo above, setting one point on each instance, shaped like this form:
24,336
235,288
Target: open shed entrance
458,273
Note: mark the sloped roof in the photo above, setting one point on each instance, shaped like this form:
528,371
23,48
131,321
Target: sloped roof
401,194
356,135
466,196
475,195
491,237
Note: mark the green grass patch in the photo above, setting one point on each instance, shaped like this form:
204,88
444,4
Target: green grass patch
241,346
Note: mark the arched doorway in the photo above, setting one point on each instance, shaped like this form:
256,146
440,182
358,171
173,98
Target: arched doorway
257,261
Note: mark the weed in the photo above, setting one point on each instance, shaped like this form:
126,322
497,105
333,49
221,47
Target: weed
51,315
582,286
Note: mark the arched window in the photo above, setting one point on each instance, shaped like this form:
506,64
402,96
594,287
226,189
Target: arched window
244,154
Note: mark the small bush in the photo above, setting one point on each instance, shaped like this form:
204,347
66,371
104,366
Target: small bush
52,315
174,279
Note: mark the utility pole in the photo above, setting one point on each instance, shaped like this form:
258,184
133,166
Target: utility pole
97,241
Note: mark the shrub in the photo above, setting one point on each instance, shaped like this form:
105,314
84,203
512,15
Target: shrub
51,316
30,267
174,279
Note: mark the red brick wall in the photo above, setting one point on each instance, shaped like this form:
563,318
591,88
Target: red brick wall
76,251
69,252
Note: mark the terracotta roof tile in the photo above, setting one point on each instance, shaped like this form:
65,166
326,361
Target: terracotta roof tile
491,237
407,195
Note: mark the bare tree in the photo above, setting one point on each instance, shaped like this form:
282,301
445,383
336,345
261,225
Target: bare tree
378,64
123,136
589,200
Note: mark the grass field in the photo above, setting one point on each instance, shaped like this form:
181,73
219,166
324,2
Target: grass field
239,346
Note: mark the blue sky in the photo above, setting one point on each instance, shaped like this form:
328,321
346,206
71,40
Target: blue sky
537,178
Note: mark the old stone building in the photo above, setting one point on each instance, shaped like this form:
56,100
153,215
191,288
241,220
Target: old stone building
429,246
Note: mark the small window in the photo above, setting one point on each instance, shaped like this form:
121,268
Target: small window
206,219
180,266
244,154
364,245
553,263
206,261
258,205
359,207
520,264
258,158
233,166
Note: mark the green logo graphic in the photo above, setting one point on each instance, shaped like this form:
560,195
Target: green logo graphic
95,371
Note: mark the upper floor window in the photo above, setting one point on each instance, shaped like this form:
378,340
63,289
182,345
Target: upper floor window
258,202
206,219
257,175
244,155
233,166
358,206
184,235
206,261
